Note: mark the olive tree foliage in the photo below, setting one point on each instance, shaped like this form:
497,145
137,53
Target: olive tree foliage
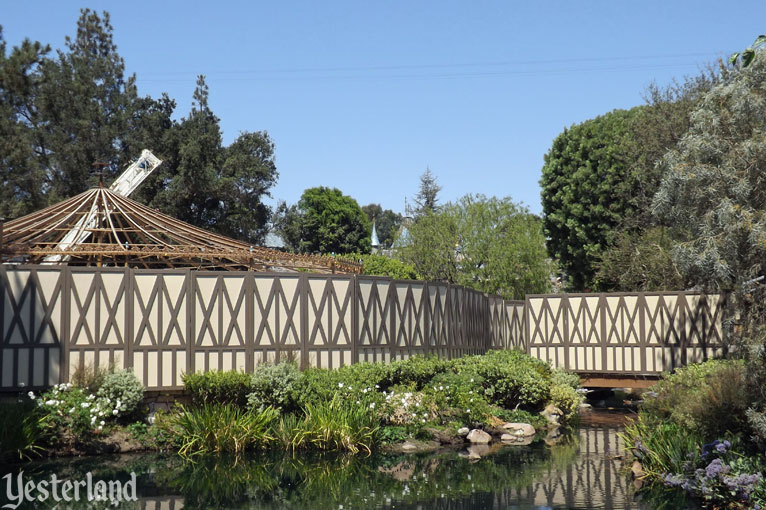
713,189
489,244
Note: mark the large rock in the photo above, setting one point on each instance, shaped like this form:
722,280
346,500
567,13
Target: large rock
552,414
520,429
463,431
445,436
479,437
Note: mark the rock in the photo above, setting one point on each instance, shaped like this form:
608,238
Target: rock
479,449
508,438
407,446
585,407
638,470
479,436
444,436
520,429
552,414
463,431
473,456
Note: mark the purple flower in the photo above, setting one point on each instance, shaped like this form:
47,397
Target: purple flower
715,468
674,480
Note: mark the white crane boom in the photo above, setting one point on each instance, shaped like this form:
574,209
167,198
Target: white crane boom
125,184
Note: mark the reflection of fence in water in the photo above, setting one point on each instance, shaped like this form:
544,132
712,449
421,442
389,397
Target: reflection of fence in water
594,480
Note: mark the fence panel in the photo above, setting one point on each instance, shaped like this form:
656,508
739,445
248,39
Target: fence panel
31,326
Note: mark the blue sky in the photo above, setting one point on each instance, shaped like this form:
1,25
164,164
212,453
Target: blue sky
363,96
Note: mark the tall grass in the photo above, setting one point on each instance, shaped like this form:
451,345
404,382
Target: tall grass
330,425
661,448
221,428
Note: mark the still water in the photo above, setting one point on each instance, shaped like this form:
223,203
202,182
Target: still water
583,470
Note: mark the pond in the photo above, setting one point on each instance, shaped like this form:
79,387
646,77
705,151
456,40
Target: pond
583,470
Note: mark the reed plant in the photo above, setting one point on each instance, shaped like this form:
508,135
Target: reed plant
661,447
221,428
21,432
337,425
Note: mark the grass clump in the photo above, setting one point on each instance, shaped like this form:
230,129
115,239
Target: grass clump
220,428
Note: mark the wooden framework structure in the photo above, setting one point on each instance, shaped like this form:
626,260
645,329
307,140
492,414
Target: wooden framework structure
118,231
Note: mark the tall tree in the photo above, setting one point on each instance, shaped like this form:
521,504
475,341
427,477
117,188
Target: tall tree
324,221
427,198
22,177
587,190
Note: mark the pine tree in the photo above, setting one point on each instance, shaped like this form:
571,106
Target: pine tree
427,198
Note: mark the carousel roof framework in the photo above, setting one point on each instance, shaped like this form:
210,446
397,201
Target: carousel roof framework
113,230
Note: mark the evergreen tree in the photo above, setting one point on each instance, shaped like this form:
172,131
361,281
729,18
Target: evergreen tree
427,198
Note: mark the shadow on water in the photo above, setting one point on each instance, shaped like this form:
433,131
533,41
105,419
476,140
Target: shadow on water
585,470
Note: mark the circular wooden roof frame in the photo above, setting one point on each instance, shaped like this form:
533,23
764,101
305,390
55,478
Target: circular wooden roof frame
112,230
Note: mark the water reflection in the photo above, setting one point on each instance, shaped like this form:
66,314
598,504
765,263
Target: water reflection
582,471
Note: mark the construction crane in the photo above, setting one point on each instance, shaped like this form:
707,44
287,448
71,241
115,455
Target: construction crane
125,184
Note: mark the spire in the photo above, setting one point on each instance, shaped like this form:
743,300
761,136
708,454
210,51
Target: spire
374,238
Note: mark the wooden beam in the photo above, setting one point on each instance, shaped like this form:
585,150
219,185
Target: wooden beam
618,381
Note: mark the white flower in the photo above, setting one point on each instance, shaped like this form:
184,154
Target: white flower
424,420
99,427
377,386
471,379
71,410
102,423
51,402
471,400
115,412
357,402
21,385
31,395
468,410
441,387
85,405
372,406
340,385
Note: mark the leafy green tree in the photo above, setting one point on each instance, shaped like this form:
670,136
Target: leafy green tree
656,127
432,246
489,244
387,222
586,192
640,261
380,265
324,221
745,57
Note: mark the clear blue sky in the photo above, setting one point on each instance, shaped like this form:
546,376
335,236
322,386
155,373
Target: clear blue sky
364,95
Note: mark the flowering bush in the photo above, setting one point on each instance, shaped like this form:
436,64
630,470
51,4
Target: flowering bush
124,387
459,396
405,406
68,411
719,477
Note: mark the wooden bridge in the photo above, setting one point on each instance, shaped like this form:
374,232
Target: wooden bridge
163,323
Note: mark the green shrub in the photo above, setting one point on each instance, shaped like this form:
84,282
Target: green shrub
380,265
123,390
220,428
706,398
214,387
274,386
511,378
565,378
567,399
417,370
459,396
519,416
